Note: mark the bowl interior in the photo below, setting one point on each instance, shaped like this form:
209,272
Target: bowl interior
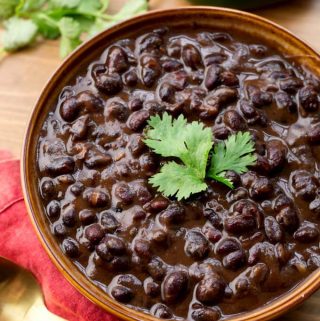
248,26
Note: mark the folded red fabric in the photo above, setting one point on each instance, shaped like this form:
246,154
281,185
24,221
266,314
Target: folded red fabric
20,244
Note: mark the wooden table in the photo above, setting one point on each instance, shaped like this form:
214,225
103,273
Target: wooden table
24,74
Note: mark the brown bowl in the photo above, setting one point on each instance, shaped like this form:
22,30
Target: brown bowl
247,24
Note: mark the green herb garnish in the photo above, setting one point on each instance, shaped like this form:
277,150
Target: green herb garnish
191,144
25,21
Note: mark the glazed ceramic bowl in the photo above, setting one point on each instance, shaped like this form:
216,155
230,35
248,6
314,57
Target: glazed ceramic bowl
211,18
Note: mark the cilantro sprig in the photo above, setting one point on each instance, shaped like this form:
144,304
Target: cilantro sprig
25,21
191,144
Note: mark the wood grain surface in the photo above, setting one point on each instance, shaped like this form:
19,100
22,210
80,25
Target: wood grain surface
24,74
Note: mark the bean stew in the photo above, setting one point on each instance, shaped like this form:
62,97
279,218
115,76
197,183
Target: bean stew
220,252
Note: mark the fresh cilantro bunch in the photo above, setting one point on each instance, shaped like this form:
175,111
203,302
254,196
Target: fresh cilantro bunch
191,143
25,21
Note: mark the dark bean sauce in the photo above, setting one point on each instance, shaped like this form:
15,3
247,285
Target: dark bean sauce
218,253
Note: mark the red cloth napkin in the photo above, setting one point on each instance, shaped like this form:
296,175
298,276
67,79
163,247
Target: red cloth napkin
19,243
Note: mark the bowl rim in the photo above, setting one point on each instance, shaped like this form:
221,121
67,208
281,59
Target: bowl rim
268,311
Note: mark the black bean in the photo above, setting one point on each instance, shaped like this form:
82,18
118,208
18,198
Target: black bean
117,60
59,229
70,109
261,188
260,98
284,100
174,286
61,165
143,248
103,252
143,194
69,216
233,120
213,217
87,216
122,293
173,214
288,219
171,65
77,188
96,197
212,77
124,193
273,229
119,263
276,154
94,233
205,314
109,222
304,184
161,311
157,269
138,120
53,209
211,233
118,110
306,234
115,245
235,260
130,78
210,290
47,188
80,127
167,93
280,202
71,247
196,245
149,163
229,79
135,104
191,57
152,289
313,133
150,71
259,273
308,98
109,84
158,204
227,245
291,85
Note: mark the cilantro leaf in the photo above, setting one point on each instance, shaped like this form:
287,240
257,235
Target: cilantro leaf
177,180
64,3
191,143
29,5
47,18
7,8
70,35
47,26
18,34
235,154
131,8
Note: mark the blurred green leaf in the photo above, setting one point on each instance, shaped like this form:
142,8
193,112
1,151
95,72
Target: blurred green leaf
18,34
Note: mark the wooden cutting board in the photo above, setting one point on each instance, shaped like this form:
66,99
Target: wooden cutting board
24,74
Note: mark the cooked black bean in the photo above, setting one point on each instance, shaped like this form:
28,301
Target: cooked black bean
196,245
272,229
210,290
71,248
122,293
210,256
174,286
94,233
